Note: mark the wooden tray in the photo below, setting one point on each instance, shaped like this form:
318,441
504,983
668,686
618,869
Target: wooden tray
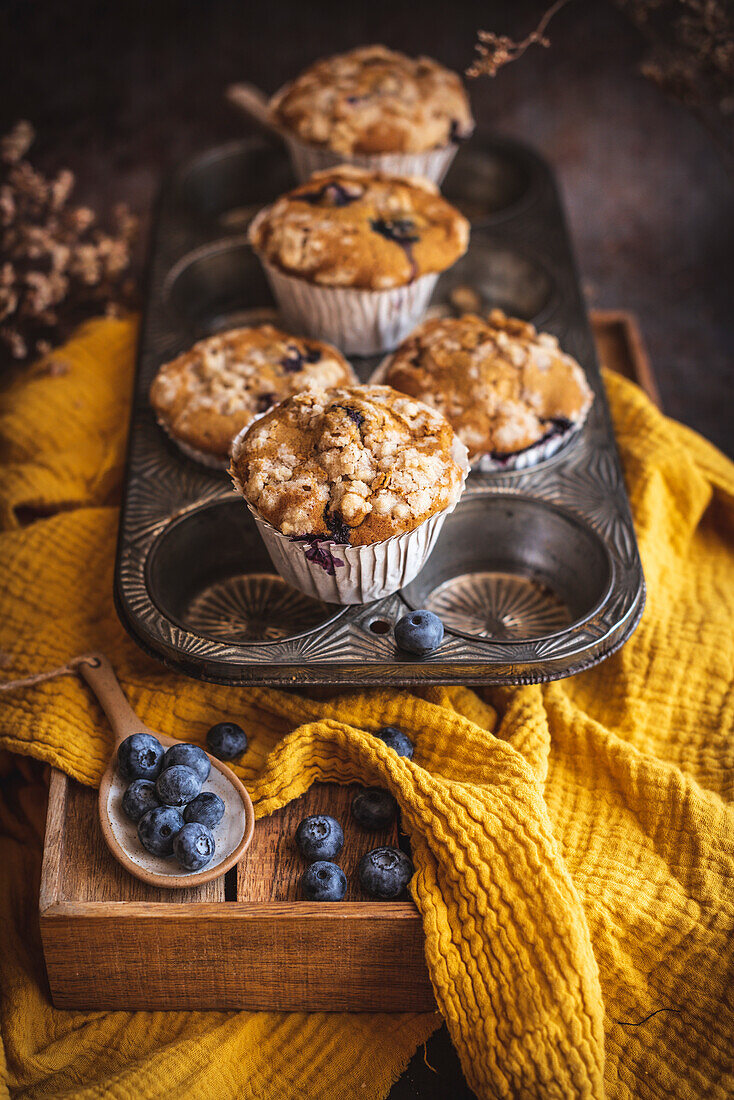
246,940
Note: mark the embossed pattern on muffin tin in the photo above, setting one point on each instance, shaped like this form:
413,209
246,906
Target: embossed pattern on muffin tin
536,574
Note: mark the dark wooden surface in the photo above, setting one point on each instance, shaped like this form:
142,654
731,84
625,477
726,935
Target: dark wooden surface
120,92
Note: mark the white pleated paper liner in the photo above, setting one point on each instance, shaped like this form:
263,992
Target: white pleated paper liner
433,164
338,573
213,462
530,456
359,322
514,460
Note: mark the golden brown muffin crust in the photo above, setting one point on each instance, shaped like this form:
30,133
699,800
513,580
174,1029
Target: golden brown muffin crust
349,227
207,395
354,465
502,385
374,100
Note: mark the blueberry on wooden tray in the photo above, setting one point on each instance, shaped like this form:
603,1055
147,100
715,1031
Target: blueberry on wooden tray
323,881
374,808
385,872
319,837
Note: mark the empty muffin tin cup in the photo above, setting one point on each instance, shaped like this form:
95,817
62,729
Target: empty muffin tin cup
433,164
337,573
358,322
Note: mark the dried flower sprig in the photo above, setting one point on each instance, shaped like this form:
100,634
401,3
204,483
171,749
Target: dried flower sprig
498,50
57,264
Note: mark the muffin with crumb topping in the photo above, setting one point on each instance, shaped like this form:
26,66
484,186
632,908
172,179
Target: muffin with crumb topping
204,397
377,109
349,488
353,256
511,394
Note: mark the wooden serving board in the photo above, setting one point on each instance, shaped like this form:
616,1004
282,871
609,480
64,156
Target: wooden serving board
245,940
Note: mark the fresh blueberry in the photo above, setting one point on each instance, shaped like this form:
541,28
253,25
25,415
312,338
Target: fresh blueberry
419,632
158,827
374,808
193,846
226,740
265,401
319,837
207,808
396,739
178,785
385,872
140,757
323,881
191,756
139,798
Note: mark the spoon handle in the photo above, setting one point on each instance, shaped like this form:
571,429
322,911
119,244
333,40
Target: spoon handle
253,102
98,673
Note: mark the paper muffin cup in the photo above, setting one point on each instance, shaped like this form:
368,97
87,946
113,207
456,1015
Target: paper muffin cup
433,164
515,460
359,322
530,456
204,458
342,574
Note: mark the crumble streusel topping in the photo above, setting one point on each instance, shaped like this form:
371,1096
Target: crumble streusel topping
349,227
502,385
355,464
207,395
374,100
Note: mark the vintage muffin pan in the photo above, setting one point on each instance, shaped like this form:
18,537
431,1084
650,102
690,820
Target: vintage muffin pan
536,573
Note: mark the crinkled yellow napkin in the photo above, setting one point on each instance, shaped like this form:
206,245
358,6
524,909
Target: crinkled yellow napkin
573,843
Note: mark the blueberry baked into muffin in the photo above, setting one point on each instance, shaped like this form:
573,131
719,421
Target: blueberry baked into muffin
373,100
359,467
510,393
335,245
207,395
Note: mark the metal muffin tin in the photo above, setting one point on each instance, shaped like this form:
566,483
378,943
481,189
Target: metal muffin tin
536,574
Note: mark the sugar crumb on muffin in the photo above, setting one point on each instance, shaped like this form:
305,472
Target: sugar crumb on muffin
205,396
353,228
372,100
502,385
354,464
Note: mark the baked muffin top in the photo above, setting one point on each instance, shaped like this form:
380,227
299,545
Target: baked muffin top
349,227
502,385
207,395
373,100
353,465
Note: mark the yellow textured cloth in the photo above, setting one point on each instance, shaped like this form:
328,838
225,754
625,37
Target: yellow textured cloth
573,843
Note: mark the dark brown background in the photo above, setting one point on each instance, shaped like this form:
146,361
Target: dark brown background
121,91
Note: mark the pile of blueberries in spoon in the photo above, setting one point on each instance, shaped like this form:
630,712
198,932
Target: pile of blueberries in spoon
175,817
383,872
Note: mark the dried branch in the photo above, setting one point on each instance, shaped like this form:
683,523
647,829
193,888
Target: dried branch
58,265
497,50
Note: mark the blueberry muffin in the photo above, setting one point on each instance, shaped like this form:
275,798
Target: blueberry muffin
510,393
354,465
347,227
372,100
207,395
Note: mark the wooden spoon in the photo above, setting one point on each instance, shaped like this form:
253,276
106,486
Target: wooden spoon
255,104
234,832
